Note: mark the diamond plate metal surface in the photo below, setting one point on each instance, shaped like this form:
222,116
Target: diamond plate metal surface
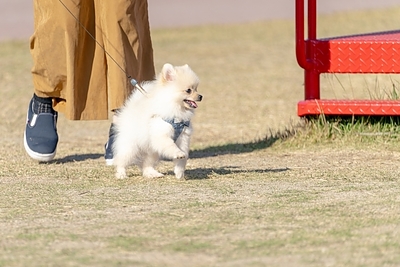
368,53
349,107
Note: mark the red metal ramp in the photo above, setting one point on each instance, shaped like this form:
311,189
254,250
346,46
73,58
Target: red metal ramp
366,53
349,107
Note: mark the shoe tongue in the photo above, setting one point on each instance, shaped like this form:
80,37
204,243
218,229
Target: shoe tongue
42,105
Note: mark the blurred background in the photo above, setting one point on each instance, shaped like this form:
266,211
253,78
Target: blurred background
16,16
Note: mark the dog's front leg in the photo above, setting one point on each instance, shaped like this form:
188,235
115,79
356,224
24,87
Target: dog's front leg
161,133
179,169
172,151
166,146
180,164
148,166
121,172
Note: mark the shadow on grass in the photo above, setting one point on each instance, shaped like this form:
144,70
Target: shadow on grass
212,151
205,173
233,148
74,158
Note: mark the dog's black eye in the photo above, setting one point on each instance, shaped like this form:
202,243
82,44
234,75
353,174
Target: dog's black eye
189,91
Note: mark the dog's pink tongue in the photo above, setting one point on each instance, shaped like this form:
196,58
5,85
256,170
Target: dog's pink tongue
194,104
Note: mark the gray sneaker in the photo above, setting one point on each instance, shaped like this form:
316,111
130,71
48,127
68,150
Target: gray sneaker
108,155
40,136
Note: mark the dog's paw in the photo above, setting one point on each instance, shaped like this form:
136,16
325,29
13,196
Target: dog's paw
179,172
152,173
180,155
180,175
121,174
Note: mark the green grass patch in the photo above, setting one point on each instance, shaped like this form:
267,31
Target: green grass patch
344,130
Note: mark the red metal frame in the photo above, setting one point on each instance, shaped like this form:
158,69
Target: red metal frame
368,53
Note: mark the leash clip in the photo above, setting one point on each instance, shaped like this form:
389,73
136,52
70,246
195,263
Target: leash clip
137,86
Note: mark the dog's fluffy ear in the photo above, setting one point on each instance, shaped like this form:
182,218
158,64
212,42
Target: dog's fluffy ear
168,73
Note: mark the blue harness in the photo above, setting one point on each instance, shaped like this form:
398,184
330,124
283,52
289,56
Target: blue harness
178,127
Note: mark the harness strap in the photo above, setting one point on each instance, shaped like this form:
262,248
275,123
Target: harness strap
178,127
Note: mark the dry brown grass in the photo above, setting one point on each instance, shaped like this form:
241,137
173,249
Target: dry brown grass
247,202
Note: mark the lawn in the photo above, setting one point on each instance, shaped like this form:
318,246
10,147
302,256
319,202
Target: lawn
264,188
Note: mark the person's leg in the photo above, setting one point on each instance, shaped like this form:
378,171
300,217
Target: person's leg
50,43
69,66
126,33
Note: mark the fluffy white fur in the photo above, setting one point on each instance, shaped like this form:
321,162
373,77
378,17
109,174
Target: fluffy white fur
143,136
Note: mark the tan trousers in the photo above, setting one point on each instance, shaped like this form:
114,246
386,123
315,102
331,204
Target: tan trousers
72,68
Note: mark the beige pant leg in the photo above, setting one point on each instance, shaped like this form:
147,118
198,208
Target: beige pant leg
52,46
66,61
72,68
126,35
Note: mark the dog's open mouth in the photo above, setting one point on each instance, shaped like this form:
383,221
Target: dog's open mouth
191,103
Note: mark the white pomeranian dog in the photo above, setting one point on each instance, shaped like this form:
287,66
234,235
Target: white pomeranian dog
157,124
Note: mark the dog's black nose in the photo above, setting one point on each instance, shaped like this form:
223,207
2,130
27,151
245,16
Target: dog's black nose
199,98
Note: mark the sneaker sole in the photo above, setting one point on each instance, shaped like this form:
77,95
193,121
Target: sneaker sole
37,156
109,162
